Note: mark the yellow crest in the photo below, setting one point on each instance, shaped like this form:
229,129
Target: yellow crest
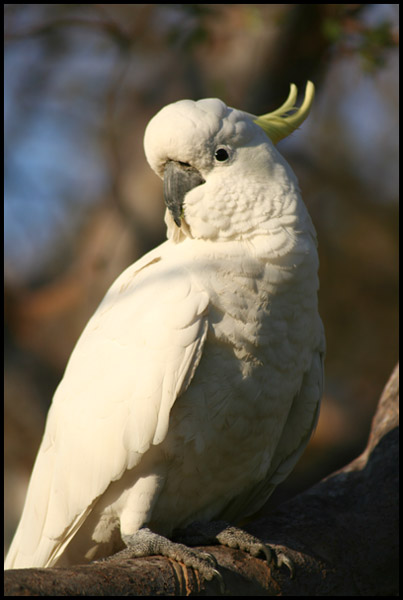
278,124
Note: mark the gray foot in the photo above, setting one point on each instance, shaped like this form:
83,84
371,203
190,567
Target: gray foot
146,543
220,532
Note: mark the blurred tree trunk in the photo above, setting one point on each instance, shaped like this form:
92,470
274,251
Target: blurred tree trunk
342,536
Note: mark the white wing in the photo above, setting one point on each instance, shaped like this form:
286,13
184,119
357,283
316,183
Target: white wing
137,354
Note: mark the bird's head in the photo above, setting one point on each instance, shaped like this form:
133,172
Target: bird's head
223,177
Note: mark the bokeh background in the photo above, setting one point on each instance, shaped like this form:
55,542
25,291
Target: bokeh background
81,203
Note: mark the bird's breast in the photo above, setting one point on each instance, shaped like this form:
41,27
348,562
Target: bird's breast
224,429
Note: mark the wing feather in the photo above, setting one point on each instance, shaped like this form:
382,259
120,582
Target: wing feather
137,354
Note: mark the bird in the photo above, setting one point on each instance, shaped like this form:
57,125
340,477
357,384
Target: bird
195,386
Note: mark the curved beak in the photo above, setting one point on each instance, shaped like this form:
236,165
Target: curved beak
179,179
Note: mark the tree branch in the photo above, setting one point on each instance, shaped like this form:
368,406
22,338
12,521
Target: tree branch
342,535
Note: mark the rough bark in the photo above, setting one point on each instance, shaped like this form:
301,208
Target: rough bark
342,535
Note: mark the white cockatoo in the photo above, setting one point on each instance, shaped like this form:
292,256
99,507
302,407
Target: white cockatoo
195,387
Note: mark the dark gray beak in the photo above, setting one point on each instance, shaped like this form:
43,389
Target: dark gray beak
179,179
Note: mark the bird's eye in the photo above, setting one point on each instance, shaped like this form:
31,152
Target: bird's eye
221,154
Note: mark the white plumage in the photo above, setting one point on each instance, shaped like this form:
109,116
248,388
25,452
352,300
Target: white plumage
195,386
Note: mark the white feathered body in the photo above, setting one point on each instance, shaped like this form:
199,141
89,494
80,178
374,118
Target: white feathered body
195,386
